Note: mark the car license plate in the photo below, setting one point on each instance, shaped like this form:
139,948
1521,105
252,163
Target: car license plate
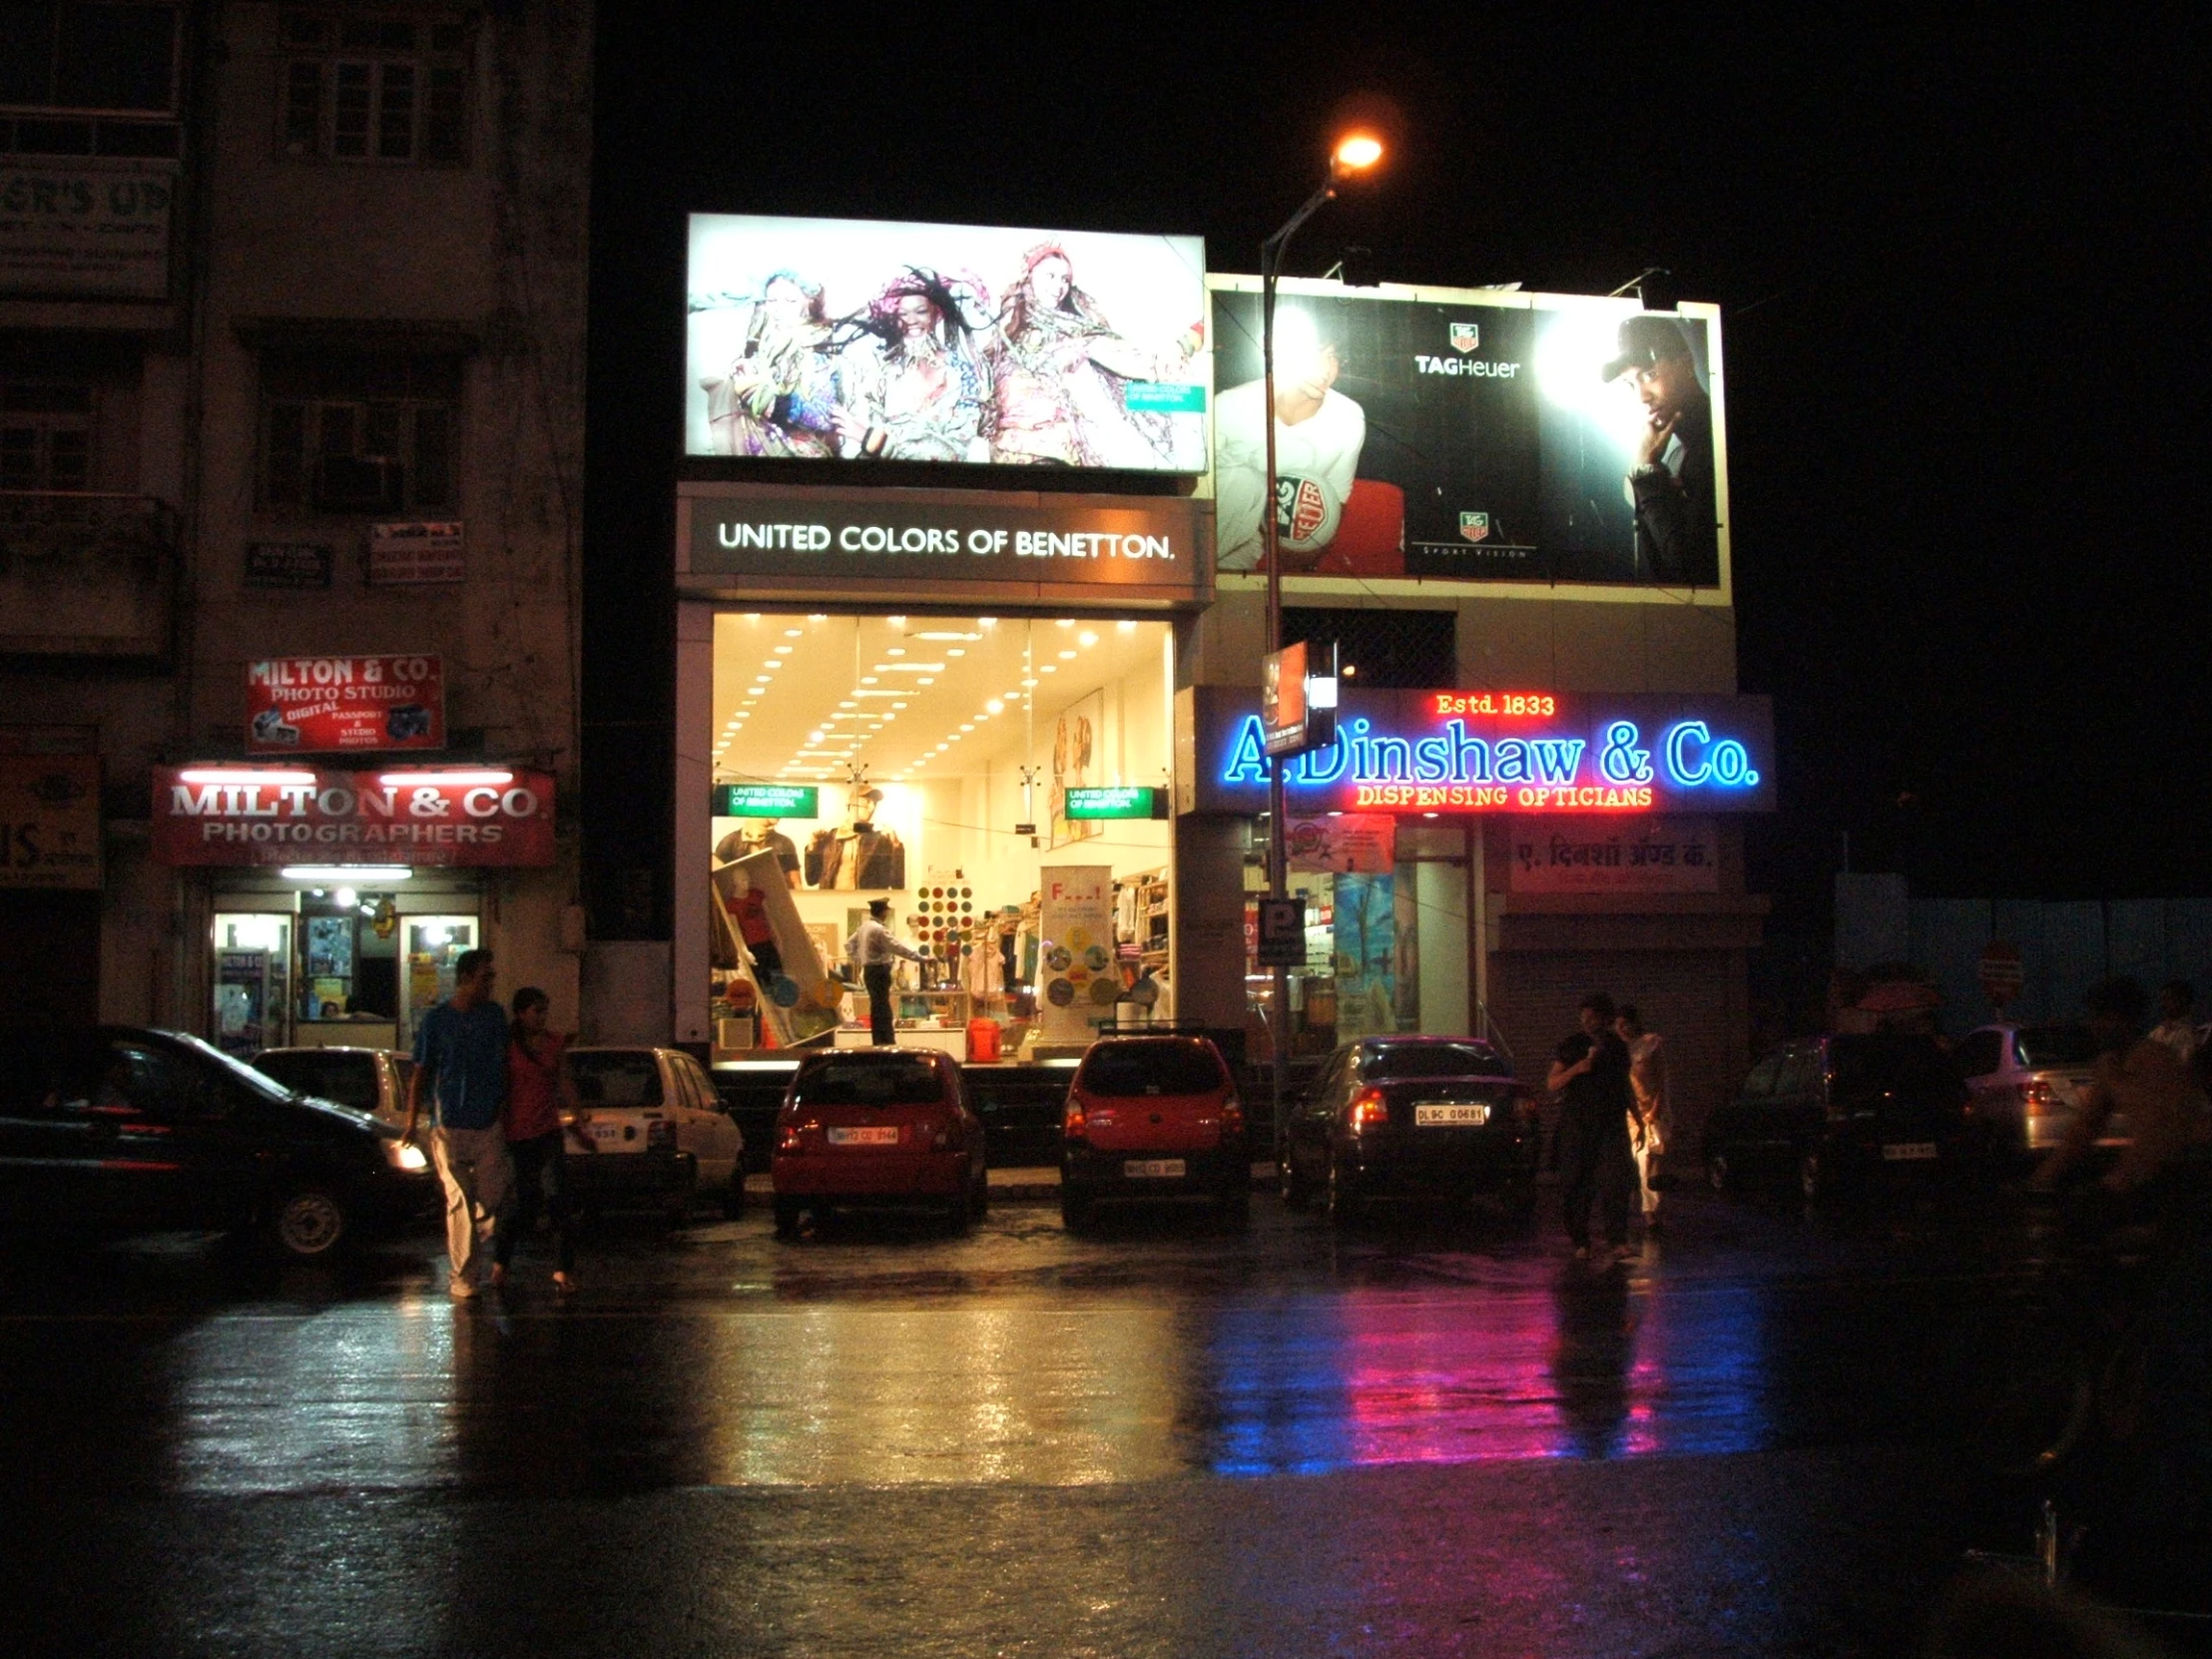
1451,1114
1152,1169
1901,1152
879,1135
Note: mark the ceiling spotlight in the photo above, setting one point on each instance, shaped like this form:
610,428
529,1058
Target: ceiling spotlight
987,621
848,703
1086,638
946,634
1049,668
1065,622
1125,626
925,681
1026,685
793,633
898,705
967,728
897,620
869,680
818,616
783,650
954,651
1067,656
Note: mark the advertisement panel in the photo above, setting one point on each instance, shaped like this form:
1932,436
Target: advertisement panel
1077,983
1487,436
915,541
49,820
303,705
433,550
820,338
233,816
1533,753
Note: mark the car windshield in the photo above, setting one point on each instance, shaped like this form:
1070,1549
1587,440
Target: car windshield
261,1085
1394,1060
1893,1064
2059,1045
615,1077
869,1080
348,1079
1151,1070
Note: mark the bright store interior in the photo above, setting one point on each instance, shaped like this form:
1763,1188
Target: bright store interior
930,742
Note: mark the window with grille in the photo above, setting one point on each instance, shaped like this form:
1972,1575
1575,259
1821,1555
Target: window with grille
45,436
358,433
370,88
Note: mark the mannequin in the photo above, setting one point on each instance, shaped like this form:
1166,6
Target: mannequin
761,835
854,855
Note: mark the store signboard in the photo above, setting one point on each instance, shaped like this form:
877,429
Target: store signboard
287,566
1487,752
1077,982
429,551
1115,801
1629,856
231,815
898,541
306,705
775,801
84,230
49,820
961,345
1473,433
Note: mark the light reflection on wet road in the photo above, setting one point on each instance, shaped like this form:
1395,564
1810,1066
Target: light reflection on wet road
884,1356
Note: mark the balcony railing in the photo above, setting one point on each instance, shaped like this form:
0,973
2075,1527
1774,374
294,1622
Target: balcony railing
85,574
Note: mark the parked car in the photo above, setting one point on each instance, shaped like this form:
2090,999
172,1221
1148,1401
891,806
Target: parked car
1831,1111
372,1080
1411,1118
879,1127
124,1129
1153,1117
2026,1083
647,1131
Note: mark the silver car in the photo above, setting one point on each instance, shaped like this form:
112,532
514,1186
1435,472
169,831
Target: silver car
2028,1081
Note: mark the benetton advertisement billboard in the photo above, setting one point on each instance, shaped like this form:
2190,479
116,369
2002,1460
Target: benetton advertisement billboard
218,815
1486,752
908,539
1475,435
303,705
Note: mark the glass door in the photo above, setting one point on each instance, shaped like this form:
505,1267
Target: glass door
253,981
431,947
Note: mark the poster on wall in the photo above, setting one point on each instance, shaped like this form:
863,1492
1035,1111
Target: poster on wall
306,705
818,339
1077,982
49,820
856,853
85,229
1078,742
1348,843
1489,437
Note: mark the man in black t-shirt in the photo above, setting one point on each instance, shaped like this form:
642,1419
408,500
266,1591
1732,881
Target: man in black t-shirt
1590,1075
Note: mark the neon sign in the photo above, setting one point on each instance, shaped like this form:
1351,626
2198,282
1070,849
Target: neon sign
1474,752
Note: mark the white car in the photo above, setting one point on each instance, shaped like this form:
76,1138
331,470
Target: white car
647,1130
372,1080
2028,1081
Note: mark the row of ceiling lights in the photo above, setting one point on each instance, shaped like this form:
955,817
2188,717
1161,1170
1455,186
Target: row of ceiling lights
807,760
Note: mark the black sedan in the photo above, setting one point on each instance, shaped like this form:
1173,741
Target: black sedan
125,1130
1412,1117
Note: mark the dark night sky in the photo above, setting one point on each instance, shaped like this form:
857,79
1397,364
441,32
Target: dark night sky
1968,437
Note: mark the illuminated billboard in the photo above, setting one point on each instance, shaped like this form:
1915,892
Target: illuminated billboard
863,339
1485,435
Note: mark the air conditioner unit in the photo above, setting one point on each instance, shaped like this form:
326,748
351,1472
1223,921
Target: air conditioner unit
360,484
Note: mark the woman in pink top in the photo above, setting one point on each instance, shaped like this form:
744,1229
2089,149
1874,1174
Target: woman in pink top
537,1092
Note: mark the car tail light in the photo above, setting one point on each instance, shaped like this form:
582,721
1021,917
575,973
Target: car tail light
2038,1100
1231,1116
1370,1109
1071,1120
660,1132
947,1136
788,1139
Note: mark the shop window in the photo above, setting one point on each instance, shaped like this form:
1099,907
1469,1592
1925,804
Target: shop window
45,436
1383,650
359,433
370,88
92,54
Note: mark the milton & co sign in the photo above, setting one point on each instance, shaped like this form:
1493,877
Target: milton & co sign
755,539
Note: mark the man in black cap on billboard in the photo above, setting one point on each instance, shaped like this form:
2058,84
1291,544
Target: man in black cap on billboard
1677,524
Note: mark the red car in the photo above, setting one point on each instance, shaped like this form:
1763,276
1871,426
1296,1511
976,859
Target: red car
1154,1117
879,1127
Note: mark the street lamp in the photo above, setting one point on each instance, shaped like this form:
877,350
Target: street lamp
1355,153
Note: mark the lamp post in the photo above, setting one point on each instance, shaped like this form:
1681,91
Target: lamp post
1354,153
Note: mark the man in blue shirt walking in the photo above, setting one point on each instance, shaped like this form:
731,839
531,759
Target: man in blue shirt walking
460,1053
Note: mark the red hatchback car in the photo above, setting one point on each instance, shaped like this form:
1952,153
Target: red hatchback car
1153,1117
879,1127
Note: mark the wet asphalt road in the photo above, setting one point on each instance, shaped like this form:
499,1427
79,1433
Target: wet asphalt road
1422,1439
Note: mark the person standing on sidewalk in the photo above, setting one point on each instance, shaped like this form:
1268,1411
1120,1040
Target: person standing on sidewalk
874,946
461,1054
537,1089
1649,1122
1590,1075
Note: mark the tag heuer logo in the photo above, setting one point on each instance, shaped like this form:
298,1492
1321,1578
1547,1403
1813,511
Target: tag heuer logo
1474,526
1465,337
